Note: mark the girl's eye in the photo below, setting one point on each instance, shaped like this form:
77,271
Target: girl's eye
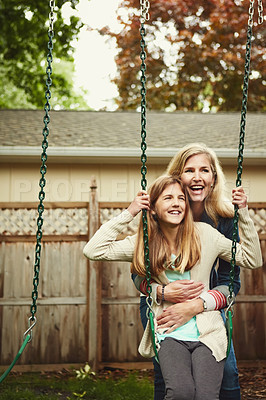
205,170
188,170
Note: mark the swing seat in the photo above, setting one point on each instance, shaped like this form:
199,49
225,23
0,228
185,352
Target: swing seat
153,335
229,330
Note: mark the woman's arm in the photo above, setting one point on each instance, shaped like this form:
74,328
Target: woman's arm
174,292
180,313
183,290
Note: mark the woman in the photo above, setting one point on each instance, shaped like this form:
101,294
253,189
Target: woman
192,357
201,173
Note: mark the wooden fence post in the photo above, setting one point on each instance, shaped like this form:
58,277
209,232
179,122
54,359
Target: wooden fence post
94,286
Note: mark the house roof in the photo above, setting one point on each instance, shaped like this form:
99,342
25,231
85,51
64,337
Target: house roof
87,136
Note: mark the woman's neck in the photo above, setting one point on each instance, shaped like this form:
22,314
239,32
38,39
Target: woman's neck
197,208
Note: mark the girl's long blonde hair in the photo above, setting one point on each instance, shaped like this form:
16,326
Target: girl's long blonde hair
216,204
159,249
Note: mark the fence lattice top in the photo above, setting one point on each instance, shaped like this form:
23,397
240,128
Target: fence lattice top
74,221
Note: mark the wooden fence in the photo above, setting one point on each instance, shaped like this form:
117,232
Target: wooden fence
89,311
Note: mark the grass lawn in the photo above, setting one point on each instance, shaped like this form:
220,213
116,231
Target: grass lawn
65,385
109,385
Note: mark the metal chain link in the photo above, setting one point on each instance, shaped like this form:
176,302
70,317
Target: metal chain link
251,12
51,16
144,11
260,12
43,168
241,148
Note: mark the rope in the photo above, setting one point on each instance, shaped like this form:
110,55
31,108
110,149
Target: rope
32,320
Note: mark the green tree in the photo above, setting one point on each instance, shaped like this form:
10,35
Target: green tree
195,55
23,52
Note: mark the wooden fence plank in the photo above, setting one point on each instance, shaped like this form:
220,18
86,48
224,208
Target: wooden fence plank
94,292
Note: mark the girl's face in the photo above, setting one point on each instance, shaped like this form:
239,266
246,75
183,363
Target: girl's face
197,177
170,206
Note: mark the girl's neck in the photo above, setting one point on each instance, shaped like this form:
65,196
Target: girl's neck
197,209
171,237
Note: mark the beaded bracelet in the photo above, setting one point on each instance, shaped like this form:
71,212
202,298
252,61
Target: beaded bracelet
163,299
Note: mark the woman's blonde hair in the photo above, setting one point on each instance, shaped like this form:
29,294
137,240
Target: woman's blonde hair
216,204
159,250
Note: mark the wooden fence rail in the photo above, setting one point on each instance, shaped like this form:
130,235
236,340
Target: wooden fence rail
89,311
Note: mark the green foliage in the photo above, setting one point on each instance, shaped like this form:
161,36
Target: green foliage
23,49
85,372
65,97
195,56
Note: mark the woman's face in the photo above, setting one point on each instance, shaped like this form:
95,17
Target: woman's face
197,177
170,206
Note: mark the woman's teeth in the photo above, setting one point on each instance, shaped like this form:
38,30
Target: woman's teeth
196,188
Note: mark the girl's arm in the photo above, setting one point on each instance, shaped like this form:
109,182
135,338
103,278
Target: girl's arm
248,253
104,246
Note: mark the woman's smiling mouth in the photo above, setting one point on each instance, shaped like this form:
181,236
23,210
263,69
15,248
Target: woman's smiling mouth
197,188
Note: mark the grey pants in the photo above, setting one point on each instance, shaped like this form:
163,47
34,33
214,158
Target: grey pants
189,370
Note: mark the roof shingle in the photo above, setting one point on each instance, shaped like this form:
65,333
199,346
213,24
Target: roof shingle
122,129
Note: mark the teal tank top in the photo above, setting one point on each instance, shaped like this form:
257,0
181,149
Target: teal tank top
189,331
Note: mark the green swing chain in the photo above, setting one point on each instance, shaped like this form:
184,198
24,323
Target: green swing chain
27,336
43,168
144,17
242,136
144,11
229,312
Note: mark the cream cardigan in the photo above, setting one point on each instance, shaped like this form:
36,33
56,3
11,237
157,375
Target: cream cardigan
103,246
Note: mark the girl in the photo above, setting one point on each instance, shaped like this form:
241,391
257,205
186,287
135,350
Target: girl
199,169
192,356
